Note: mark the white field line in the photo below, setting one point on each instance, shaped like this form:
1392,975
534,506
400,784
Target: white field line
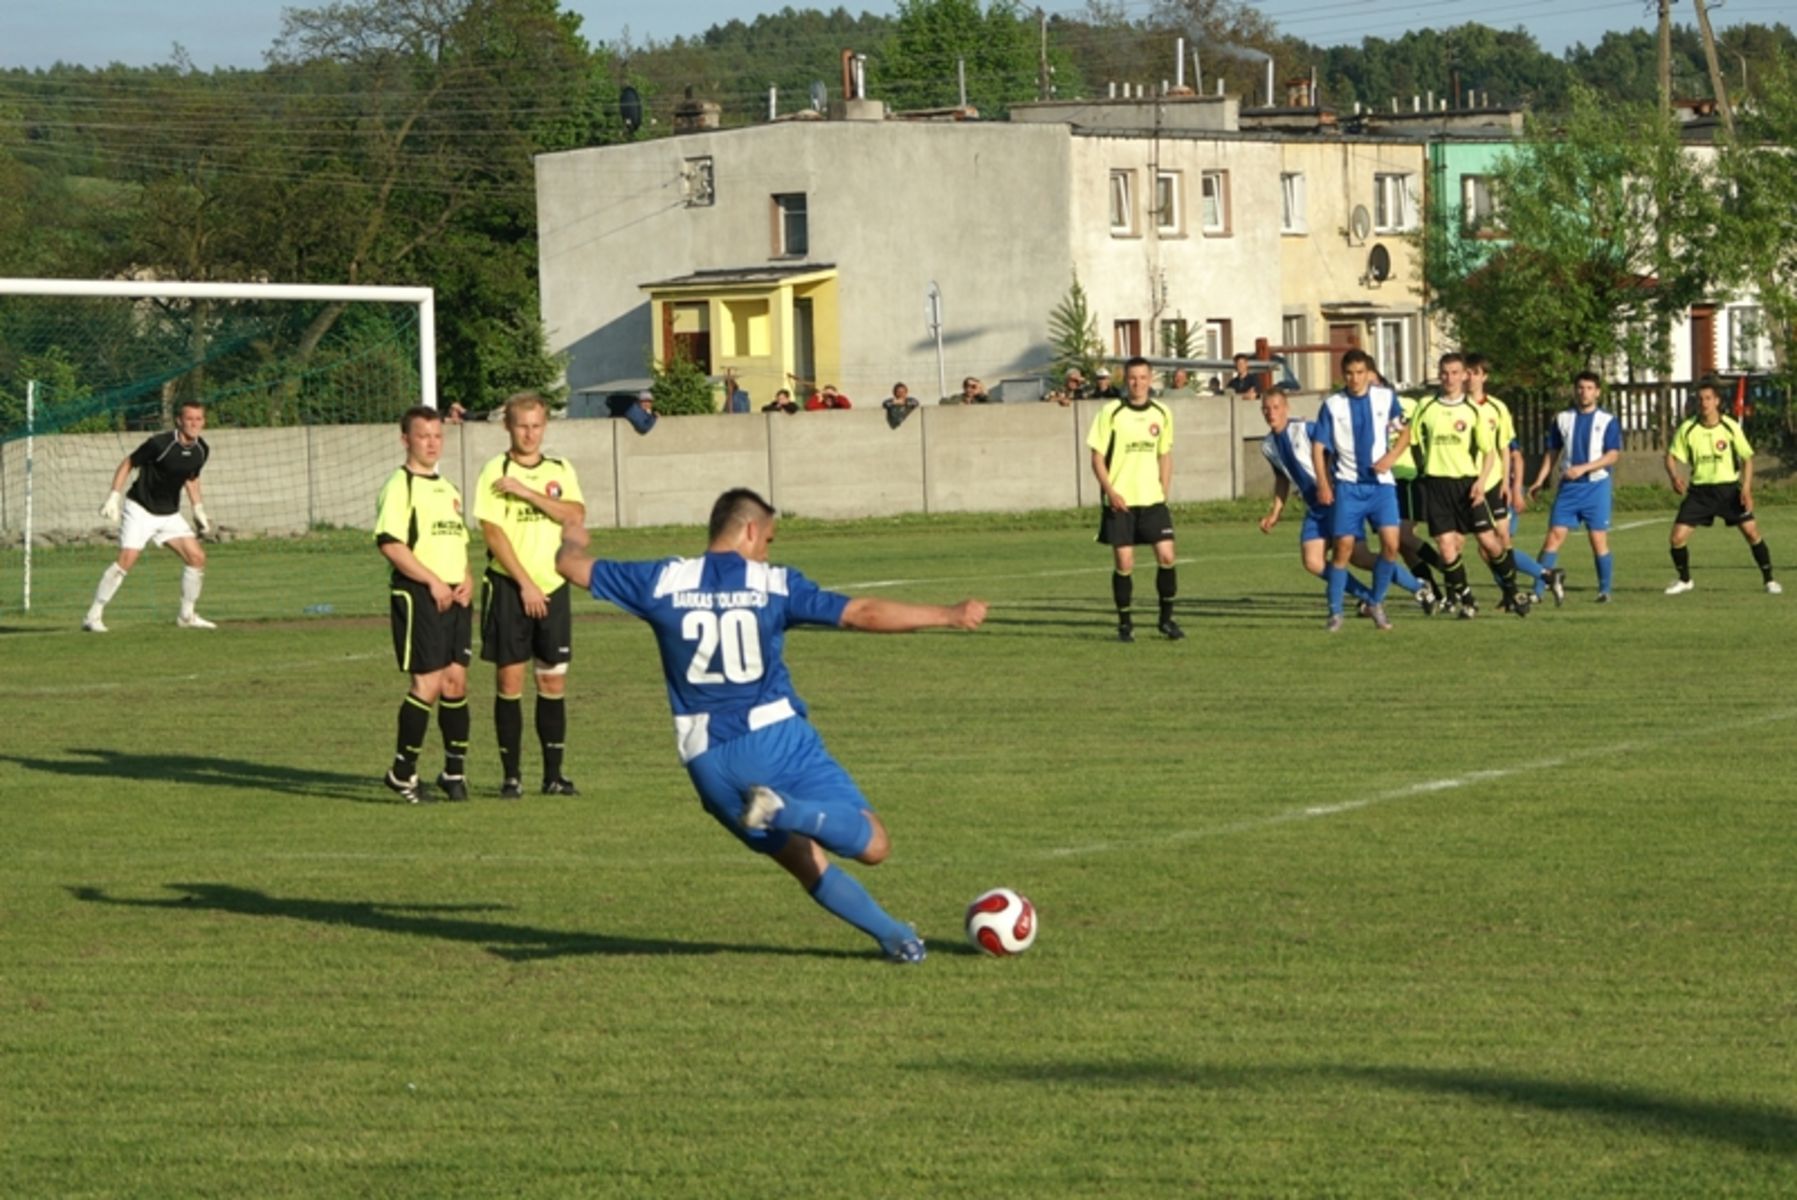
1424,787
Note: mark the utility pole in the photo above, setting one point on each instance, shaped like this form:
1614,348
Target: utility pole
1709,57
1665,58
1042,56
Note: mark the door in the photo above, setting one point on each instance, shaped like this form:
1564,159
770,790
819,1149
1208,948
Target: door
1703,340
1343,337
804,348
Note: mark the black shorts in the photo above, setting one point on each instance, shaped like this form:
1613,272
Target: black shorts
1499,504
1450,507
1408,507
1140,526
508,635
425,640
1704,502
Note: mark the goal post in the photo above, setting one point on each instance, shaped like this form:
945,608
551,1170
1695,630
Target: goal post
301,384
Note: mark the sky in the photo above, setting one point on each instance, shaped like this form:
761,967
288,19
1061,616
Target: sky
235,33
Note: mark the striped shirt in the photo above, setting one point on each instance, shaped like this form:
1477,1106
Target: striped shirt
1358,430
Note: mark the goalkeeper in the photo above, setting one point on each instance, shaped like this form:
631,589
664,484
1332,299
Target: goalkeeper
166,465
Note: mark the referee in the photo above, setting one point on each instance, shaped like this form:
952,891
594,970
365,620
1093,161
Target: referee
1716,452
521,500
166,465
419,529
1131,440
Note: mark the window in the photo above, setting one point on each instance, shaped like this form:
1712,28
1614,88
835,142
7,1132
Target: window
1123,204
1392,350
1291,202
1291,332
1393,211
1126,338
1168,218
1749,348
791,232
1176,338
696,183
1478,211
1213,196
1219,339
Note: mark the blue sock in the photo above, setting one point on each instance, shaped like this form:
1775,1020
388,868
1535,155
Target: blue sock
1401,576
843,895
838,828
1337,579
1382,570
1359,590
1605,570
1526,565
1547,564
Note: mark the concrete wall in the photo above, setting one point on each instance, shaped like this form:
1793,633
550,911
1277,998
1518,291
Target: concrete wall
998,458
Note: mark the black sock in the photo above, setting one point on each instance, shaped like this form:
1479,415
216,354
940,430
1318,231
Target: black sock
1681,559
414,723
1428,556
1122,591
552,733
508,723
1763,556
1505,566
453,722
1423,573
1454,573
1166,586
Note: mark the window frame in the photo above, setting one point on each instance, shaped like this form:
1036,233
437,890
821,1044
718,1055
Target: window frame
1173,224
1120,199
784,213
1389,185
1293,203
1215,179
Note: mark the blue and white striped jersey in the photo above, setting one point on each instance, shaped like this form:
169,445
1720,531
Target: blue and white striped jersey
1289,452
1358,430
720,622
1584,437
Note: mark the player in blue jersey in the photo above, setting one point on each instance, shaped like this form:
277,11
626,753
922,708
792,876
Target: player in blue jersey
761,770
1587,440
1287,450
1360,432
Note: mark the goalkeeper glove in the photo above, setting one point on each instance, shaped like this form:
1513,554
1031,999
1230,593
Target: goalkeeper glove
110,509
201,519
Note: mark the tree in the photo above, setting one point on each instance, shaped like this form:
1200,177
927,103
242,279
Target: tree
1073,333
1582,275
918,66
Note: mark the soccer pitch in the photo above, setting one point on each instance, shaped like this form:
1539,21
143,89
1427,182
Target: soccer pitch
1494,908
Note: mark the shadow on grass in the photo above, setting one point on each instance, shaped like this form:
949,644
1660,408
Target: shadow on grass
1759,1128
196,770
448,922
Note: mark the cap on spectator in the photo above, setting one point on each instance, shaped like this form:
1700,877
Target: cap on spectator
1102,373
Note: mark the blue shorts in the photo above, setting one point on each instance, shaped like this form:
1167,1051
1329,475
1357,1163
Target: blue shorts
787,756
1316,522
1580,502
1360,504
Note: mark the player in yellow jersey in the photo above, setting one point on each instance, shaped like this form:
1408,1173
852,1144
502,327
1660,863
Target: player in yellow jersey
521,500
419,529
1132,457
1715,451
1504,491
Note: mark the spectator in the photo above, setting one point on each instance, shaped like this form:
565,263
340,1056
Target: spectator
1072,388
736,400
1181,381
1242,383
1103,388
782,402
641,415
455,414
971,393
898,406
828,398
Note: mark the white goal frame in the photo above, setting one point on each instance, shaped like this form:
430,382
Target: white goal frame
423,298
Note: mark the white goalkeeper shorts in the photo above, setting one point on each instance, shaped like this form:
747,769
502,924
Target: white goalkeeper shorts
138,527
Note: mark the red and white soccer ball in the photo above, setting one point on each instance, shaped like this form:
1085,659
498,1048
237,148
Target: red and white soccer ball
1001,923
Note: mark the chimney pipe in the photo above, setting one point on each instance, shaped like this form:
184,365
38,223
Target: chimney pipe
1179,64
1269,81
773,102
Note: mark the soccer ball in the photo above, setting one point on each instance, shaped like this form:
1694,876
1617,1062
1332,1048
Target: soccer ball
1001,923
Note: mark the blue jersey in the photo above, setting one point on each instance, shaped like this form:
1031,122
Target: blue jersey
1289,453
1585,437
1358,430
720,622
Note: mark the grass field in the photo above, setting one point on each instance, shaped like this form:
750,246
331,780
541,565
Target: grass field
1499,908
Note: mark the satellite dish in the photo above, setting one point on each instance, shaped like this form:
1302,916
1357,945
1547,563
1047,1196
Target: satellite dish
819,95
630,109
1378,264
1360,223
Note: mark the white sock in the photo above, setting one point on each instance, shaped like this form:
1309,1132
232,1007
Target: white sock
110,582
191,579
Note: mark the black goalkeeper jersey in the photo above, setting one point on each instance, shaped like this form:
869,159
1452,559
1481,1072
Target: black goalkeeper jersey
164,465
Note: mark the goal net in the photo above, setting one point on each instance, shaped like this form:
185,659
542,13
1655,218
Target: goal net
302,387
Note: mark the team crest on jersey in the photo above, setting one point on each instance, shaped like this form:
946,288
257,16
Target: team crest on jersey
1459,426
553,490
1154,430
1721,445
